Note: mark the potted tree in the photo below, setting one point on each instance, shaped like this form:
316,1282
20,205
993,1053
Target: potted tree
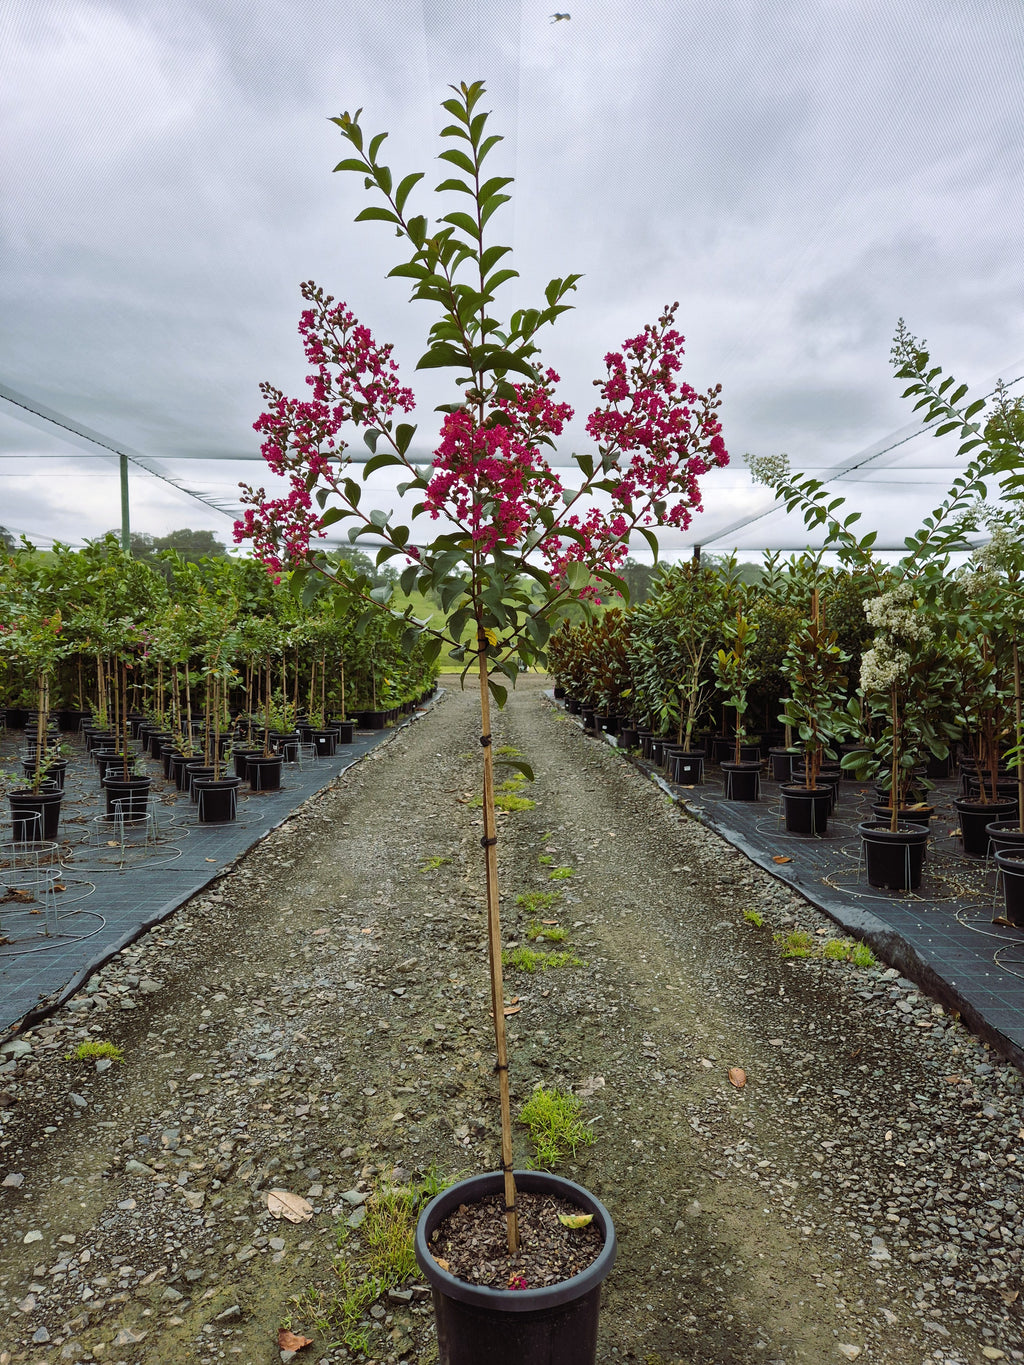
673,643
35,639
514,557
815,709
735,668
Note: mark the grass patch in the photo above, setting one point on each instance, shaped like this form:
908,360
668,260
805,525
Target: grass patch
508,751
546,859
506,801
797,943
558,874
94,1052
531,960
848,950
754,917
432,864
386,1233
556,1126
554,933
537,901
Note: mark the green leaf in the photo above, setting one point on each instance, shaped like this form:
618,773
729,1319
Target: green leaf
457,157
402,193
350,164
375,213
455,185
462,221
380,461
370,437
651,539
499,693
403,435
376,142
440,357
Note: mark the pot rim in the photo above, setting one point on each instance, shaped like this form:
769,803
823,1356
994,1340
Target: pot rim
520,1300
910,834
1011,858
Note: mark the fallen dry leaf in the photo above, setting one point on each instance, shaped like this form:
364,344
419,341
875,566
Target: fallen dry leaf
283,1204
288,1341
575,1220
211,860
441,1262
1009,1296
780,858
738,1077
511,1009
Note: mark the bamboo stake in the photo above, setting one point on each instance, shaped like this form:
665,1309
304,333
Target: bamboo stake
490,844
896,741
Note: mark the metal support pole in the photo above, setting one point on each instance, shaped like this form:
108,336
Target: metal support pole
125,529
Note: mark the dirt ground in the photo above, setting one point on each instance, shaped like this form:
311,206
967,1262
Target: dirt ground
320,1018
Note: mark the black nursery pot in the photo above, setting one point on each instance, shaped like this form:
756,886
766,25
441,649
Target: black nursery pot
553,1325
975,816
345,730
806,808
742,781
35,815
264,773
216,799
1011,868
893,858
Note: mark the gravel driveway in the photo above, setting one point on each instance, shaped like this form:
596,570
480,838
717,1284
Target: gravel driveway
321,1019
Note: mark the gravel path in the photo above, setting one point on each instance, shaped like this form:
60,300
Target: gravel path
320,1019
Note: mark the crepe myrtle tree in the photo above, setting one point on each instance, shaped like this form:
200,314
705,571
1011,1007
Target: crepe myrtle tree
517,551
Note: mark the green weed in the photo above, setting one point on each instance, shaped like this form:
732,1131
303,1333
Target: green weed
530,960
552,932
387,1232
91,1052
556,1127
560,873
754,917
797,943
862,956
508,751
432,864
536,901
546,858
507,802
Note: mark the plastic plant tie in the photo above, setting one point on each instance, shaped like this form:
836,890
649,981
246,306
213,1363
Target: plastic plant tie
488,843
485,740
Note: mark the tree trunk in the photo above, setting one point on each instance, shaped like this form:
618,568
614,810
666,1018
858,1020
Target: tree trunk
490,842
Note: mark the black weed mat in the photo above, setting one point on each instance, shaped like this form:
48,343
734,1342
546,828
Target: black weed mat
940,936
66,908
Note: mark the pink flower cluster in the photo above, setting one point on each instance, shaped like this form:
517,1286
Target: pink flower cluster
354,380
655,437
491,479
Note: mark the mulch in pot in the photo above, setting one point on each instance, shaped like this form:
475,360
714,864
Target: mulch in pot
472,1243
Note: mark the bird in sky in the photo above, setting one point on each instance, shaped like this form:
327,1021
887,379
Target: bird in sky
555,17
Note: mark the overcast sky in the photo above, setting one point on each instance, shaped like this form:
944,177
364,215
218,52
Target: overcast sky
798,175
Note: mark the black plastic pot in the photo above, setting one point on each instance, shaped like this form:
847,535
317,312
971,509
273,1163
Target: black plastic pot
1005,836
240,758
326,742
806,808
782,764
975,816
1011,870
35,815
554,1325
742,781
216,800
53,772
686,766
345,730
893,858
572,705
286,744
628,736
133,793
263,772
178,770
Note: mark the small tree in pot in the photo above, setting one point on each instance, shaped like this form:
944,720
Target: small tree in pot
508,521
